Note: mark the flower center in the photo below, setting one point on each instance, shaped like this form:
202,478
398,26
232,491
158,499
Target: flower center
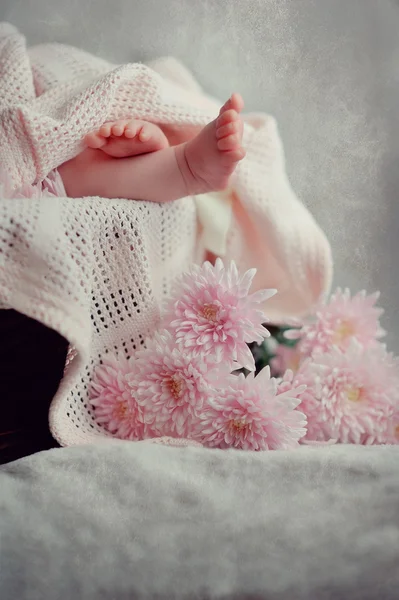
344,330
354,394
237,426
176,385
397,431
210,312
121,410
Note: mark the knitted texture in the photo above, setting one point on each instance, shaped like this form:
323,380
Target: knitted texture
98,270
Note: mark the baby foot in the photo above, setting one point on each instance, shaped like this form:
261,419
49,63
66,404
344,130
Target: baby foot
208,161
127,138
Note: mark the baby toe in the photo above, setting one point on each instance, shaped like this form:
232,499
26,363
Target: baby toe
238,153
233,156
227,117
229,143
226,106
145,133
237,102
105,130
130,131
118,129
132,128
94,140
228,129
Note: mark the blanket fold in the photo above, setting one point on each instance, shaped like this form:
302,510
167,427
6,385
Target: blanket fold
98,270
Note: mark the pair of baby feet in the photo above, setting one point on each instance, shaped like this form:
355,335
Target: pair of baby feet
210,157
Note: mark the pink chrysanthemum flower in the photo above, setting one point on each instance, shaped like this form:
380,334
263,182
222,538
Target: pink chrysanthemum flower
248,414
114,407
351,396
213,317
341,320
170,385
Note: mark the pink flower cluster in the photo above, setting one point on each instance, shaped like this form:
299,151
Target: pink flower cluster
352,381
339,383
182,384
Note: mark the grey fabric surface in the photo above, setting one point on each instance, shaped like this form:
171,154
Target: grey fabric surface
139,521
327,69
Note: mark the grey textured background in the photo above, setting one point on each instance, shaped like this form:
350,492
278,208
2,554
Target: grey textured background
327,69
125,521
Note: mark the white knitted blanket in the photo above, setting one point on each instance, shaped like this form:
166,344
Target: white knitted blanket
98,270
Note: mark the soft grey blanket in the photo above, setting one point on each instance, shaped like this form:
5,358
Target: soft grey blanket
136,521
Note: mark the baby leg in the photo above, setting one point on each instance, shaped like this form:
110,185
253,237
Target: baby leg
127,138
201,165
154,176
